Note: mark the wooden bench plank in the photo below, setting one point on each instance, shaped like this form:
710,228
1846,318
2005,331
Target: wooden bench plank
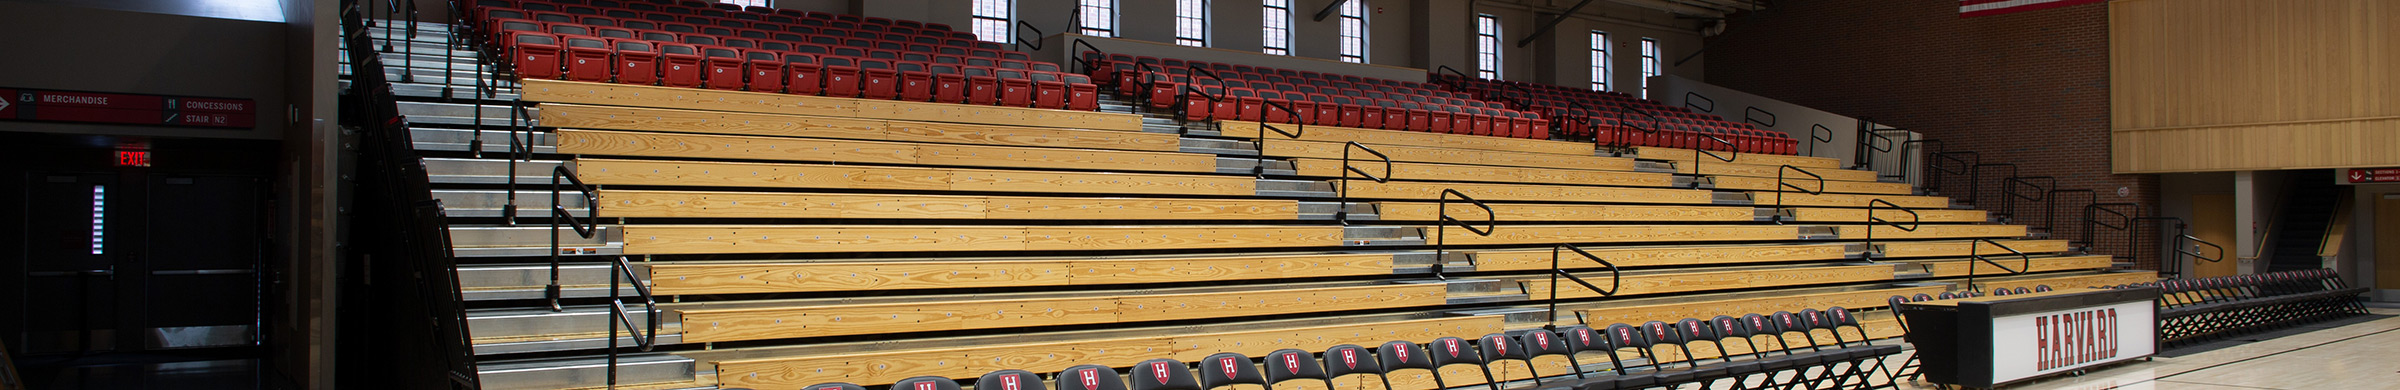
1368,189
1713,167
1679,154
1681,255
1553,234
1767,199
1961,248
963,362
1443,155
557,91
701,239
1952,268
816,176
687,278
1819,214
1831,186
1410,138
1671,312
713,325
1660,283
1855,232
614,143
2072,281
1410,211
697,204
682,278
579,116
1332,168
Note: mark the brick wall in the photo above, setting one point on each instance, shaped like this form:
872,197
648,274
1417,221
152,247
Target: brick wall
2029,88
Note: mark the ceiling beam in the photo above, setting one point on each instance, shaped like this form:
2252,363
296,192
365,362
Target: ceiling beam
1328,11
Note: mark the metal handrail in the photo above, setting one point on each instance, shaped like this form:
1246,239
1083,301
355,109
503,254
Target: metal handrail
1342,214
1781,185
1441,229
1628,109
1814,138
558,213
1259,167
1037,34
2220,257
1872,221
2009,195
520,149
1077,57
1687,102
1975,180
1770,122
1615,277
1975,251
618,314
1867,146
1729,156
1519,105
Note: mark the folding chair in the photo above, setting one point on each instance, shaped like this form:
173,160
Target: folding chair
1402,355
1088,376
637,62
1449,351
803,72
1163,374
1226,369
1285,365
724,68
1346,359
1011,379
925,383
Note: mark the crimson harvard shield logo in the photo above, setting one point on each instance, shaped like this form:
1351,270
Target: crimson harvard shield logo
1452,345
1403,350
927,385
1350,358
1228,364
1499,345
1291,362
1010,382
1091,379
1584,334
1159,370
1542,340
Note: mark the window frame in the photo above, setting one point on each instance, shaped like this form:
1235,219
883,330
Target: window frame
1271,30
1006,19
1651,66
1600,60
1353,25
1487,46
1097,12
1198,20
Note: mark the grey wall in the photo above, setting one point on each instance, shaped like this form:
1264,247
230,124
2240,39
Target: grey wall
145,53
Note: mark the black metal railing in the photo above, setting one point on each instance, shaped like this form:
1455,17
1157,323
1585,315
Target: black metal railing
617,314
1867,145
1975,182
1783,184
1729,155
1441,233
1873,221
2095,218
2009,195
1615,278
1691,99
1817,133
1626,121
1751,115
2056,197
1036,42
1343,214
520,151
1976,258
1191,86
1513,102
558,214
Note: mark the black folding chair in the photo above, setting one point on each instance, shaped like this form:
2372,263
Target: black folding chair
1087,377
1497,347
1402,355
1226,369
926,383
1291,364
1449,351
1013,379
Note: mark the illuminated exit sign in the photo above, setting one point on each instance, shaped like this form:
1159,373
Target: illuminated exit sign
133,158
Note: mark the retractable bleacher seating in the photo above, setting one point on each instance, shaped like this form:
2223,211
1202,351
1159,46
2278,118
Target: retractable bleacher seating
903,205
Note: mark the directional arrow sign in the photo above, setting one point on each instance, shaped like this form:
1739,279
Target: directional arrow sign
2370,175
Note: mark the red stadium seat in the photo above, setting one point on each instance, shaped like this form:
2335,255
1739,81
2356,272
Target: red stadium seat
949,84
841,76
1016,88
588,59
878,79
680,65
637,62
765,69
916,81
1049,90
983,88
724,68
1082,95
802,73
535,54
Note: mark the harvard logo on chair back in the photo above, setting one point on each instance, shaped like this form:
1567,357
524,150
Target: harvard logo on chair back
1350,359
926,385
1499,344
1010,383
1091,379
1403,353
1452,346
1584,334
1291,362
1159,370
1226,363
1541,340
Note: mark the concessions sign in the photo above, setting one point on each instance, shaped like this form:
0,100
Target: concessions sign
130,109
2367,175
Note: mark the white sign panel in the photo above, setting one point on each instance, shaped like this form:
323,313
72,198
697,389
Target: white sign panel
2030,345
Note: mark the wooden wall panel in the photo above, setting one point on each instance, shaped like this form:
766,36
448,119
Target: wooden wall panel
2218,85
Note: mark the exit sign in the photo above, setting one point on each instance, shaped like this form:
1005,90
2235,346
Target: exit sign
133,158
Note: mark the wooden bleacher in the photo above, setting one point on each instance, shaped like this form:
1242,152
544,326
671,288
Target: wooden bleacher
1034,238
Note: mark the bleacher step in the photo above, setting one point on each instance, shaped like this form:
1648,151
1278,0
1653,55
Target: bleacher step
539,329
1515,317
464,114
1325,210
430,91
1732,198
1294,188
1244,166
489,241
1218,147
492,203
1381,235
1653,166
489,171
580,372
488,282
460,140
1477,291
